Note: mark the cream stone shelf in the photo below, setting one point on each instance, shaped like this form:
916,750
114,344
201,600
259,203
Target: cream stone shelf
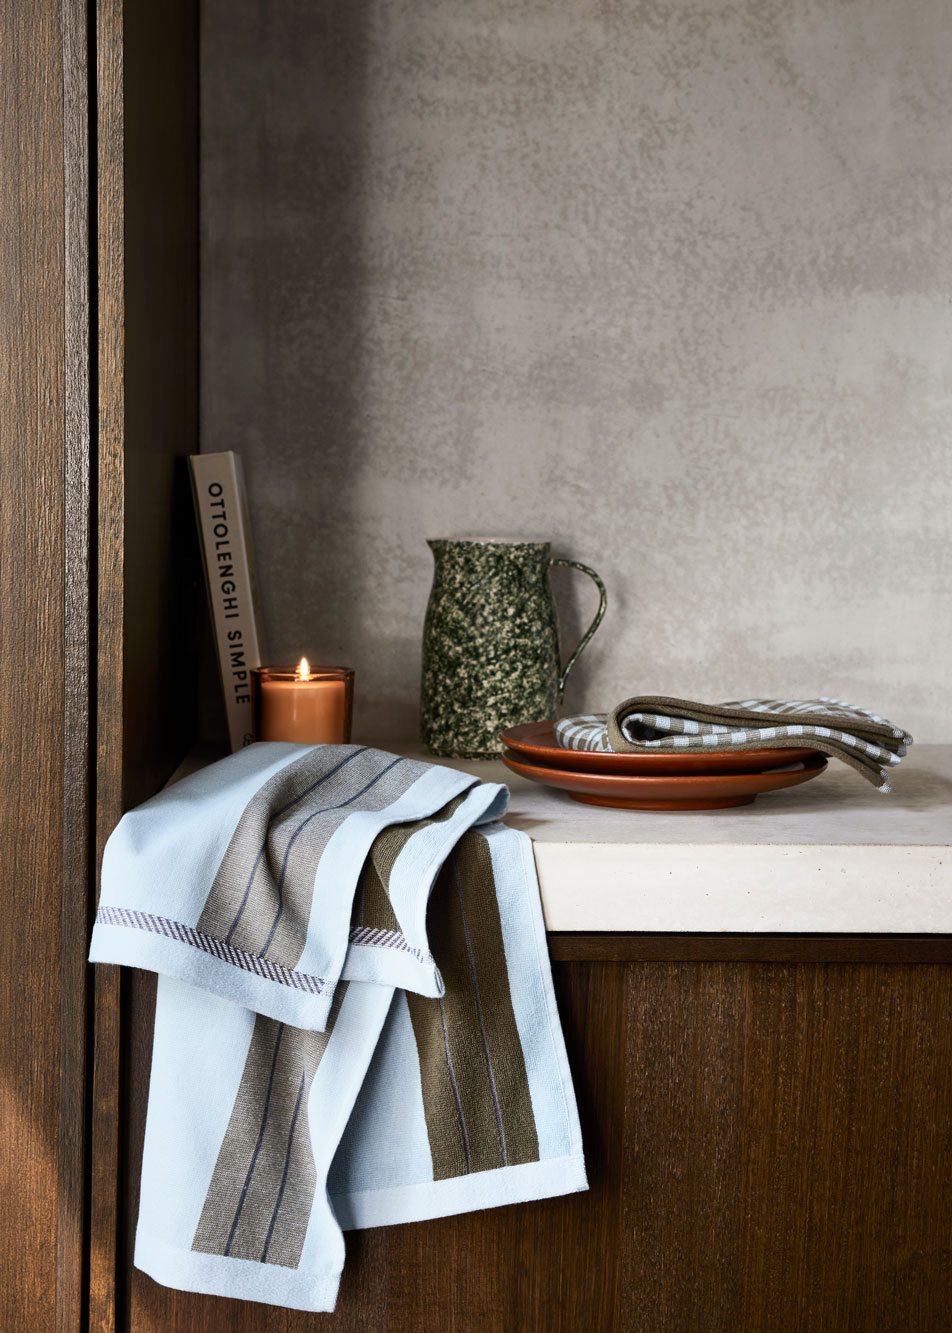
831,856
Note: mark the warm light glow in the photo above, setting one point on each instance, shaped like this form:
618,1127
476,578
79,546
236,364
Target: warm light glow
304,669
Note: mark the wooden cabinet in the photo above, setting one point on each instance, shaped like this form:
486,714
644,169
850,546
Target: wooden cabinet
766,1145
98,396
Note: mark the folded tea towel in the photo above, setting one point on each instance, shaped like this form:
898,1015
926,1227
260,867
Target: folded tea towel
867,742
336,1046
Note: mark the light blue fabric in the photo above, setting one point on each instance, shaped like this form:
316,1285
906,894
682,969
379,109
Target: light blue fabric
168,849
174,1184
380,1149
356,1151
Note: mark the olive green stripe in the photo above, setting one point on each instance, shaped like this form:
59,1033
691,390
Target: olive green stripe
248,1227
476,882
390,779
374,908
261,1162
444,1126
271,861
280,793
476,1095
288,1225
448,944
371,904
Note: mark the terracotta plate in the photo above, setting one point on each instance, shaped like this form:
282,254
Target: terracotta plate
536,742
669,791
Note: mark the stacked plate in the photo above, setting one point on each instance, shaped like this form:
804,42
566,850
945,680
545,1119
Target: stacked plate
689,780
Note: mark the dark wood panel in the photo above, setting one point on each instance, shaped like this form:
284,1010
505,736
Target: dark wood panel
767,1148
147,144
105,1120
788,1128
635,947
684,1181
847,1136
44,635
139,1015
76,830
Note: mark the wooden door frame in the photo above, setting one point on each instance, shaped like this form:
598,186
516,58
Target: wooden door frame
105,1112
46,775
98,406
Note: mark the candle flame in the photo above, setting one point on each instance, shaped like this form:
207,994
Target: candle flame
304,669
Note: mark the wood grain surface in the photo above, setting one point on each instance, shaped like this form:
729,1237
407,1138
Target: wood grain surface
44,633
767,1148
644,947
78,639
105,1124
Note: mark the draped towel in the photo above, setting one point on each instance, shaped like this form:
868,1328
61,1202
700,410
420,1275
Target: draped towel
355,1023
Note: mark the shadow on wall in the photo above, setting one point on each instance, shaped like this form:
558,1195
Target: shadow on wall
284,99
302,303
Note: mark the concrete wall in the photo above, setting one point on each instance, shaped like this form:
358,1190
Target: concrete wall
667,282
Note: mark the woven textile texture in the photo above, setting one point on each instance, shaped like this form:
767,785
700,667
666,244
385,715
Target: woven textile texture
657,724
355,1024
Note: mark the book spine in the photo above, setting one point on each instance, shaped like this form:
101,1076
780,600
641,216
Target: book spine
225,537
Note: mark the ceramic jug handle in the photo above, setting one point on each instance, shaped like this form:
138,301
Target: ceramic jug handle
602,603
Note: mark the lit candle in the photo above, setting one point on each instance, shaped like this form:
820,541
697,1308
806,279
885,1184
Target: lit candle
311,704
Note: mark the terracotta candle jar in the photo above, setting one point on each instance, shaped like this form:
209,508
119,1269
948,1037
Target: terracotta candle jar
312,705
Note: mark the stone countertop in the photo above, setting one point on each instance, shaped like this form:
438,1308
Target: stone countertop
833,855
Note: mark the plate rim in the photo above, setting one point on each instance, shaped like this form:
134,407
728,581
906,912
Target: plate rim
667,757
815,765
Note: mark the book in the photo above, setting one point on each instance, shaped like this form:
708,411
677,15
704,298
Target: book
224,533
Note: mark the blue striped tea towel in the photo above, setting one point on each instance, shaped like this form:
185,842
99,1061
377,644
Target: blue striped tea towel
355,1022
652,724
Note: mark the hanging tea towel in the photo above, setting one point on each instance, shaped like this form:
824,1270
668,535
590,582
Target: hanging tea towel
355,1022
652,724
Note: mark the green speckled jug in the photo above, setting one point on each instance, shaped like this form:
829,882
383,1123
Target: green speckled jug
491,644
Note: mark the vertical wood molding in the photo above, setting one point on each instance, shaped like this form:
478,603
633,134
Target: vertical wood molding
76,739
44,630
77,880
32,398
105,1126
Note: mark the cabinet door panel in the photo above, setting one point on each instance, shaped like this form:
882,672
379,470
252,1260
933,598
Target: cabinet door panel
765,1144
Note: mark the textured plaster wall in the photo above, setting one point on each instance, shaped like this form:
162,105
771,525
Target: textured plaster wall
668,282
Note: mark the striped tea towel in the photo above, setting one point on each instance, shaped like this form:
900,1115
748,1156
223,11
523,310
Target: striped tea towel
355,1022
864,740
